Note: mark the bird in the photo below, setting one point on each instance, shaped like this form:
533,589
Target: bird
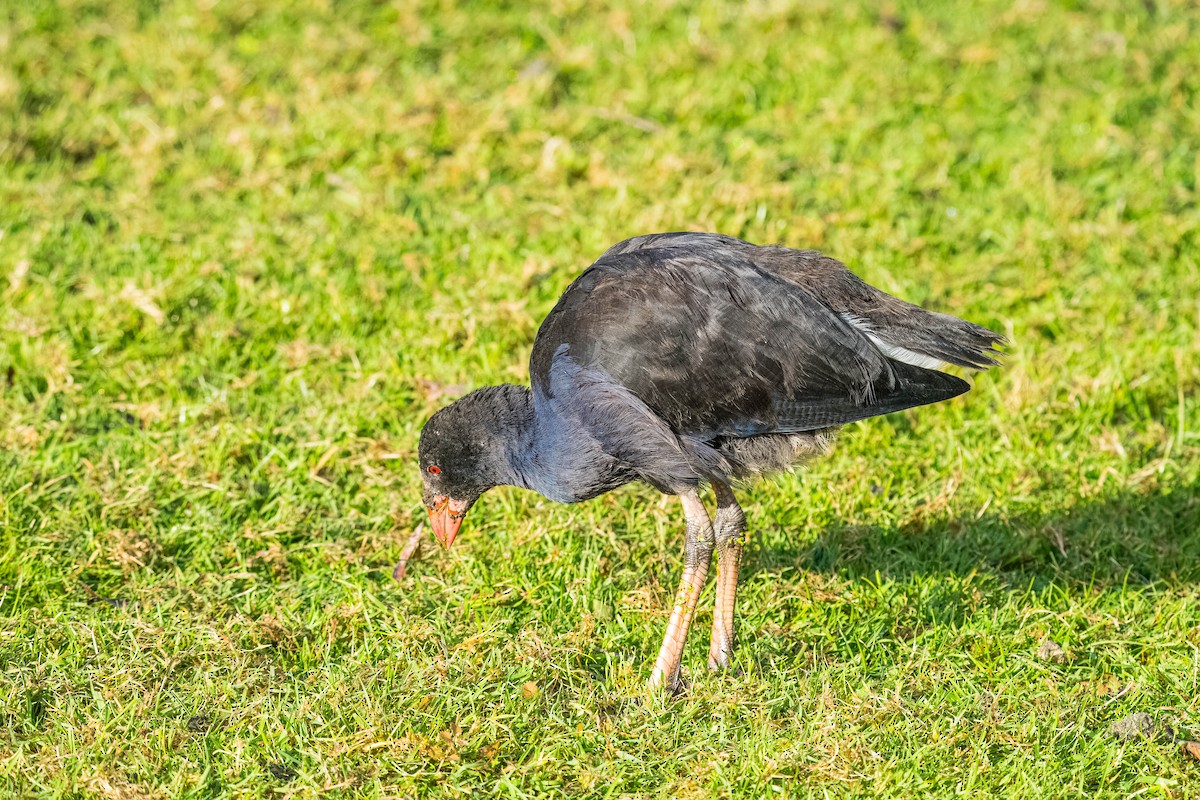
689,361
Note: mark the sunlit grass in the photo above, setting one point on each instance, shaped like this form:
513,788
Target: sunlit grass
250,247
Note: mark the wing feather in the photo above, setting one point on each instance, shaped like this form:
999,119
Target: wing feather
718,346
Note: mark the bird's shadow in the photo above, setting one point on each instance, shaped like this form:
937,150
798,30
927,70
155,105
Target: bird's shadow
940,570
1124,538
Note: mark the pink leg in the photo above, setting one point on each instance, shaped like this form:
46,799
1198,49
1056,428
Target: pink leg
730,528
700,541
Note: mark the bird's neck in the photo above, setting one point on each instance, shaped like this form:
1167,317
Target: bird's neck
556,457
534,444
509,433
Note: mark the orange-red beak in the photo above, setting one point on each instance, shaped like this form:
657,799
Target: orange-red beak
446,516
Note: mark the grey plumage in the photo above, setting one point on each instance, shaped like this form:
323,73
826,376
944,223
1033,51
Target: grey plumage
686,357
938,336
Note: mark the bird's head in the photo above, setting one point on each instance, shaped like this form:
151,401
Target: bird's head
465,450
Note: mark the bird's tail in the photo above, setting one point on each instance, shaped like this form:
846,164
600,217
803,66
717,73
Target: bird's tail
903,331
912,335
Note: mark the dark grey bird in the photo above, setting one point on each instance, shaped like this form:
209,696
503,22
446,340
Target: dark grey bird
691,359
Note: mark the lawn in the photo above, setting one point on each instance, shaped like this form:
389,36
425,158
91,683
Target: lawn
247,248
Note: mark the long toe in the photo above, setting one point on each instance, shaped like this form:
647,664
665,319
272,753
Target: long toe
679,687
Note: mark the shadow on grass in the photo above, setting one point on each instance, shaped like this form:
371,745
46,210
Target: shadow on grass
1135,538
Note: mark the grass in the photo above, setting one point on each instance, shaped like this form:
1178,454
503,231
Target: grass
251,246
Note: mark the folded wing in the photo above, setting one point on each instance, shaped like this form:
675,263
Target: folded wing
717,345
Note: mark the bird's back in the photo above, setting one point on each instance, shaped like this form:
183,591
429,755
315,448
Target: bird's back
901,330
723,341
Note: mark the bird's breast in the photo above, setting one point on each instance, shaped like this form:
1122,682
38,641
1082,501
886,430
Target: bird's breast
569,481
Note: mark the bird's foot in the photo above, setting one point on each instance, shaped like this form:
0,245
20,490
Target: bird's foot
675,686
725,663
679,687
720,646
720,658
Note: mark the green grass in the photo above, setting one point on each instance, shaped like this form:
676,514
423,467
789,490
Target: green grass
250,247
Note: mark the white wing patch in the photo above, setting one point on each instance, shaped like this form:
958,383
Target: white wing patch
890,350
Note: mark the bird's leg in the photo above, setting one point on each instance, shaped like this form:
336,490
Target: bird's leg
697,555
730,525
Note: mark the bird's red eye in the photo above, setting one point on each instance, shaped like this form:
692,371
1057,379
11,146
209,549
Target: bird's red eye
434,469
